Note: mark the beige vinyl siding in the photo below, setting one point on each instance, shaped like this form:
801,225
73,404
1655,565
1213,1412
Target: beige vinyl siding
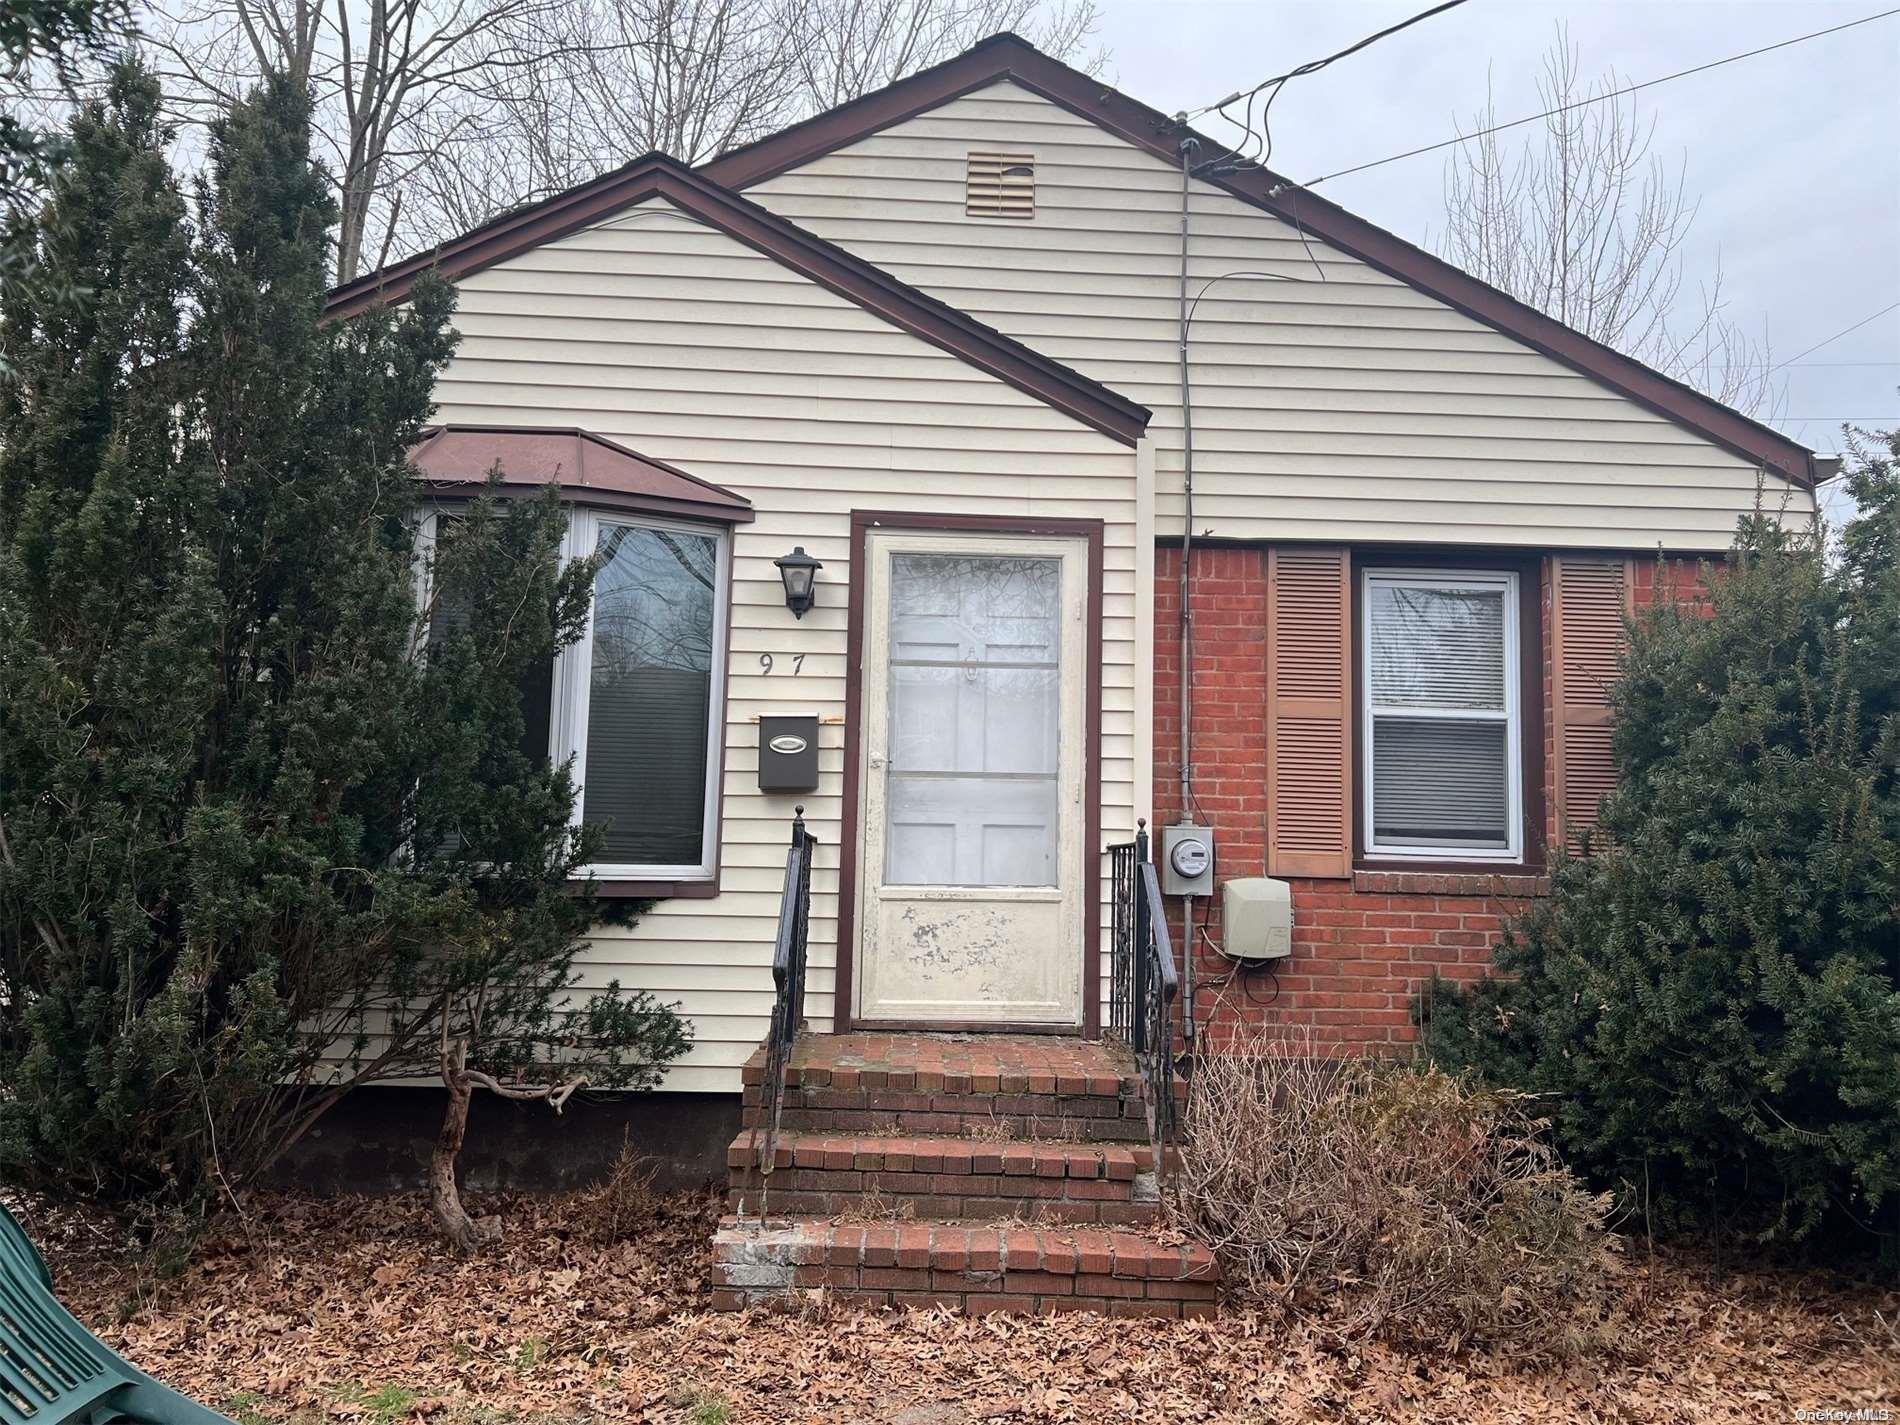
1353,408
673,339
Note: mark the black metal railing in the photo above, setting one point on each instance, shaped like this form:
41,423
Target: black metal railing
1143,983
788,1007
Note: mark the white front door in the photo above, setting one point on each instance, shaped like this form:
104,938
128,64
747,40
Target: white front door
970,857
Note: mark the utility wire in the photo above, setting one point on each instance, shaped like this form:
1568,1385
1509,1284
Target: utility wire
1836,337
1596,99
1278,82
1318,64
1811,365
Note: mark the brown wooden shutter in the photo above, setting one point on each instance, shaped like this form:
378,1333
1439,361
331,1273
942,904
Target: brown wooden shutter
1309,712
1588,599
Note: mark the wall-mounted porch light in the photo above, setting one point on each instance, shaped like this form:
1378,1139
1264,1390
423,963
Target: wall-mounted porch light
800,573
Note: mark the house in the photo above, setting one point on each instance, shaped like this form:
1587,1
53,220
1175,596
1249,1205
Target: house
933,340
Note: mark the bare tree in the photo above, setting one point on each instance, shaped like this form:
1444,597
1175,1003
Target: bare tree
854,46
435,115
1587,224
692,78
620,78
382,72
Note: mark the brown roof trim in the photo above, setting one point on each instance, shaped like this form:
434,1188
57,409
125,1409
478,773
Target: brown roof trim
829,266
1007,56
454,459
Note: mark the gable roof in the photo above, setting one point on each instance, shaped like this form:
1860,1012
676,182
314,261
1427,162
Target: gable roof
1009,57
657,176
456,459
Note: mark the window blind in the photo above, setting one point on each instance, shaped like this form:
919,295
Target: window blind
650,693
1440,783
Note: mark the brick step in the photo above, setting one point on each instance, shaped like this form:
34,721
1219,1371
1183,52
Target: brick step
955,1065
973,1269
1111,1120
941,1177
1014,1085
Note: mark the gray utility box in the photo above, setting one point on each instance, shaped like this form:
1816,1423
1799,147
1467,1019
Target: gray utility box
1187,860
1256,918
788,754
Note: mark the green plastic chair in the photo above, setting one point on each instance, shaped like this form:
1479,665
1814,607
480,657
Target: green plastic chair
53,1370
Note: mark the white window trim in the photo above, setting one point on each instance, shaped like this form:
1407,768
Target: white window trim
1511,714
567,728
573,669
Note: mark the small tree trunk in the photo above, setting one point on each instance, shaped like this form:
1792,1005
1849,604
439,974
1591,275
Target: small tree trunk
468,1235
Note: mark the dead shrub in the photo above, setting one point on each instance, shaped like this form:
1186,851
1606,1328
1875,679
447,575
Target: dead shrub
623,1200
1398,1202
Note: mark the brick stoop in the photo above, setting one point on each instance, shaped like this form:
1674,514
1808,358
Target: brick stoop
1005,1084
894,1149
946,1177
973,1269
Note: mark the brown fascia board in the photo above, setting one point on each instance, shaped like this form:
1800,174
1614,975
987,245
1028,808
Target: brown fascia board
829,266
1009,57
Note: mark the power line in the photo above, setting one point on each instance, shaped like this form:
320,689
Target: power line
1836,337
1278,82
1314,65
1596,99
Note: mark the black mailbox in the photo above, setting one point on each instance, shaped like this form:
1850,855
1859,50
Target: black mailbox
788,754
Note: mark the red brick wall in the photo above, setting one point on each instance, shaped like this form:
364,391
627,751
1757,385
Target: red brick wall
1680,579
1362,948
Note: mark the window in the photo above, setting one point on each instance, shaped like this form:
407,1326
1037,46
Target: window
636,697
1441,739
636,702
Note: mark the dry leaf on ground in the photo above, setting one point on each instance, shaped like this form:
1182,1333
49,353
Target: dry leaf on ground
351,1310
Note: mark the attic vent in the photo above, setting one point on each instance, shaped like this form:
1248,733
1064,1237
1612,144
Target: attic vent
1000,185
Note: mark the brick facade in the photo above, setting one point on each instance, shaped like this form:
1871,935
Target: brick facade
1363,947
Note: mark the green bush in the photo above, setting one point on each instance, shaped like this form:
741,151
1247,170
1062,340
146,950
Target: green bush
255,850
1711,997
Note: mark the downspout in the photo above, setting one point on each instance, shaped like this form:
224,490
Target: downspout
1188,145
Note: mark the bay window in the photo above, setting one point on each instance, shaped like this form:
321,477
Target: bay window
637,701
1441,734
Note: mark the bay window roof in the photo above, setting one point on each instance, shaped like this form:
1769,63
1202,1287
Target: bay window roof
591,470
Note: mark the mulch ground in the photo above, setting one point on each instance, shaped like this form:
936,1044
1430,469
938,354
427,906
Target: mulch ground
350,1310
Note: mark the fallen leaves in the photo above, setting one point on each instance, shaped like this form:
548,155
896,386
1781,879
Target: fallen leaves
351,1309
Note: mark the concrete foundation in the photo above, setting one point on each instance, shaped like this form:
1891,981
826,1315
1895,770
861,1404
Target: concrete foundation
379,1139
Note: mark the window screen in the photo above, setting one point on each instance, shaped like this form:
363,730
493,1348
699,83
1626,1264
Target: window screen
649,693
975,720
1441,739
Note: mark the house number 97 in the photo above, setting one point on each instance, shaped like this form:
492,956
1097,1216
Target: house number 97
798,663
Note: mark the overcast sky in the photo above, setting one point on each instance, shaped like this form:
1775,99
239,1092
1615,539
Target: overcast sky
1795,155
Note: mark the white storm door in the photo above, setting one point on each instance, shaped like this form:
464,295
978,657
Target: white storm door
970,881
